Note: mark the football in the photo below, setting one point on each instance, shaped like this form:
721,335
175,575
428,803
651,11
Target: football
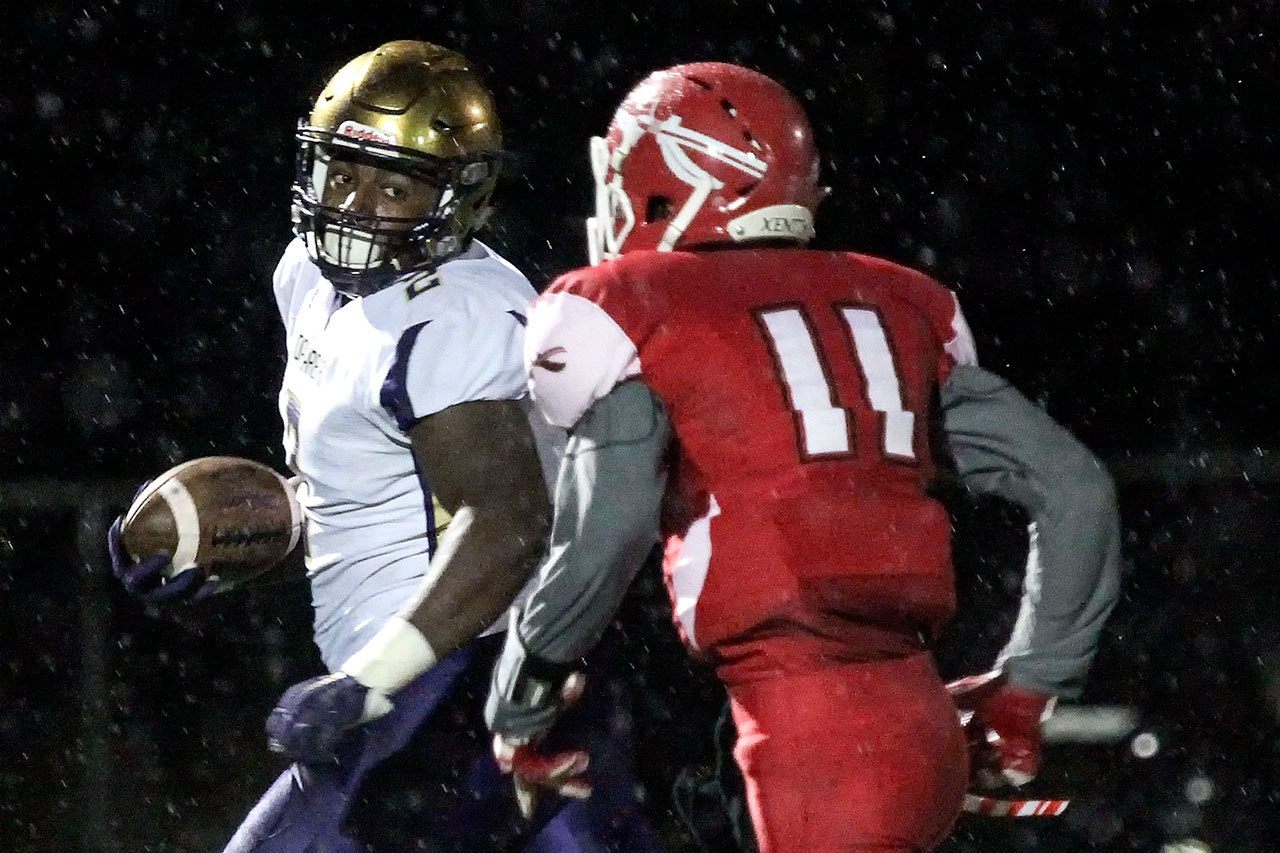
231,517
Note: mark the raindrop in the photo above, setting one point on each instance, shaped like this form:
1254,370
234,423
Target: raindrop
1199,790
1145,745
48,106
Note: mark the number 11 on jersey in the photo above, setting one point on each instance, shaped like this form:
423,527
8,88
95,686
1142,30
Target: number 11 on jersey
826,428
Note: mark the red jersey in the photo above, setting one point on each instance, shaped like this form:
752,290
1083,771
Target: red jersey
798,385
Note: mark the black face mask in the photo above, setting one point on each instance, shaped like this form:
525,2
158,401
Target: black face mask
360,253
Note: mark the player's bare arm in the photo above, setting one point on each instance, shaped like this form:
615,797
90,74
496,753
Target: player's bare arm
484,469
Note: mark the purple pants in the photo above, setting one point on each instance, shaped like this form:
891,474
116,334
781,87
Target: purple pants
423,778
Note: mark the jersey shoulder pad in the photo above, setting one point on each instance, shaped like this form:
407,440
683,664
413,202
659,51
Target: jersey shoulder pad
467,285
913,284
294,276
461,341
578,346
588,282
629,289
937,302
455,358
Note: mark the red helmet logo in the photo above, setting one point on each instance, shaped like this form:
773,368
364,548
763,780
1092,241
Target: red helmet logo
703,153
366,132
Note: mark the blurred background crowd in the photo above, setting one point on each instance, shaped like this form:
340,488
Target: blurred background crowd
1096,179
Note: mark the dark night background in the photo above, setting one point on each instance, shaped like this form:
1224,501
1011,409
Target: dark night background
1096,179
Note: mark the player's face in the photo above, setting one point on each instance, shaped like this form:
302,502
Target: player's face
368,190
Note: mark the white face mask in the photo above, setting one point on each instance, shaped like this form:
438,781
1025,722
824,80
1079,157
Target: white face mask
614,217
351,248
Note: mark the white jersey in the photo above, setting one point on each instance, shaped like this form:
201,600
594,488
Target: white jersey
362,371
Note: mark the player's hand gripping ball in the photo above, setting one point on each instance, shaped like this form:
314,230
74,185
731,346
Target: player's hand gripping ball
203,526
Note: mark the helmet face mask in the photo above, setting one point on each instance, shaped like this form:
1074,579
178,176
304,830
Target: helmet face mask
415,110
614,219
361,253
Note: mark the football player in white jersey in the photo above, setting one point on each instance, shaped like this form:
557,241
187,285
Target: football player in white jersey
421,475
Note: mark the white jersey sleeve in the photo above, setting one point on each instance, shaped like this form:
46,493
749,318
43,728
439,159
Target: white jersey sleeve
454,359
960,345
575,353
284,281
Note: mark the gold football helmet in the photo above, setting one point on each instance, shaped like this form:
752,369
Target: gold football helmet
409,107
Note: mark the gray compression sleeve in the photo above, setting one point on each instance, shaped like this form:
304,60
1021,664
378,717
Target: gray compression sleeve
1003,445
607,501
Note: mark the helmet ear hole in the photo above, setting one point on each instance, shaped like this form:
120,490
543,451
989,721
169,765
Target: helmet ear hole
657,209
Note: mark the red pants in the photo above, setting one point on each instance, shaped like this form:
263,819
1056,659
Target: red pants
864,756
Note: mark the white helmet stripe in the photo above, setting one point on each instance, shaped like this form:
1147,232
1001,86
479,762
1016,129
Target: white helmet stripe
683,167
672,128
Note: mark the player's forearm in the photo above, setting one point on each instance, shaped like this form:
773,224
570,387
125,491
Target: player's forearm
606,521
480,564
607,503
1004,445
573,604
484,558
485,471
1071,586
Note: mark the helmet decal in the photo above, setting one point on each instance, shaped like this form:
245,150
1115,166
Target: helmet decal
672,140
356,130
673,136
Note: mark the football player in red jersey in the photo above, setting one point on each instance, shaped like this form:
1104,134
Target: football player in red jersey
769,409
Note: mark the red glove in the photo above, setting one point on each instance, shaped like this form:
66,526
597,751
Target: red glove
561,772
1002,721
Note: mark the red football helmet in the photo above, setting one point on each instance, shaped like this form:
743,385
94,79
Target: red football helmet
703,153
